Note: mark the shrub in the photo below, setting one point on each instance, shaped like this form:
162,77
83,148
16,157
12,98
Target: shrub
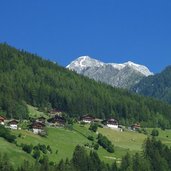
36,147
96,146
10,138
93,127
51,163
19,135
91,138
42,148
105,143
82,123
155,132
6,134
27,148
36,154
144,131
44,160
49,148
86,145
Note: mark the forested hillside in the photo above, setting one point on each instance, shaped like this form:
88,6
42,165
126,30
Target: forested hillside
158,86
28,79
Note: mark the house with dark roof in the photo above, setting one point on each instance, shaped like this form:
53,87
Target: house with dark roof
87,118
112,123
57,120
37,127
13,124
135,126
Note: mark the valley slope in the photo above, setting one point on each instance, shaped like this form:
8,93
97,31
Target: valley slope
157,86
28,79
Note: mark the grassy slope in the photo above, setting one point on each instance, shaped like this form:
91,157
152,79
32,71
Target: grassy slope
62,140
16,155
65,141
33,112
128,139
59,139
164,136
103,154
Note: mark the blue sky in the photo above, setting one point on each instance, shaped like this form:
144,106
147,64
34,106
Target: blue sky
108,30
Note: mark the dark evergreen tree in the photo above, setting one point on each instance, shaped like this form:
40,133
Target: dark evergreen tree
80,159
155,132
126,164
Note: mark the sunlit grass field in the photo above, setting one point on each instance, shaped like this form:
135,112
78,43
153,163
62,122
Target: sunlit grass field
63,141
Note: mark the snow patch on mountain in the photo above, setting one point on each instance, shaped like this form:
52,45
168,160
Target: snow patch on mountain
86,61
119,75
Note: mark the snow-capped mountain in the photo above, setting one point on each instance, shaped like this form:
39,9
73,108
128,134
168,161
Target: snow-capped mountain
118,75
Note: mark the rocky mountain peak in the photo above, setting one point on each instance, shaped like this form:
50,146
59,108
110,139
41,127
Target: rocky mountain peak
120,75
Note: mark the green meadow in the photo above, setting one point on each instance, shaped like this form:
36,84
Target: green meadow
129,140
34,113
15,154
63,141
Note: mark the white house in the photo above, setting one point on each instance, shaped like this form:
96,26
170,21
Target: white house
112,123
37,130
87,118
135,126
37,127
13,124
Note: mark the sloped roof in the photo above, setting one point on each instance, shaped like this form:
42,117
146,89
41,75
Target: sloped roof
15,122
88,116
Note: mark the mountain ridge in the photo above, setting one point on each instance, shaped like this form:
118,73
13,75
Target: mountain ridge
111,73
157,86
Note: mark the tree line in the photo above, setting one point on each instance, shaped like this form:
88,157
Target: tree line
28,79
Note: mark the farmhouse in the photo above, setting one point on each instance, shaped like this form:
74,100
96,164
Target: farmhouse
13,124
57,121
87,118
112,123
2,120
135,126
37,127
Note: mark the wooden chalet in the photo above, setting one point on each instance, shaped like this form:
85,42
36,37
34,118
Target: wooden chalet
2,119
37,127
112,123
13,124
135,126
87,118
57,121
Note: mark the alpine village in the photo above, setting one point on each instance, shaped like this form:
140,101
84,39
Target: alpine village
52,118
